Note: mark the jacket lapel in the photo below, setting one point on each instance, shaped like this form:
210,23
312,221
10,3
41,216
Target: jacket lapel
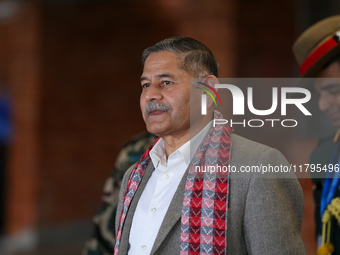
124,246
173,215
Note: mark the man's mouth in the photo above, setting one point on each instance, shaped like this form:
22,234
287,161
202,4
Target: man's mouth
154,109
155,112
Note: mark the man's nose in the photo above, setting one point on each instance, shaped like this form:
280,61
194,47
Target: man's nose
153,92
324,101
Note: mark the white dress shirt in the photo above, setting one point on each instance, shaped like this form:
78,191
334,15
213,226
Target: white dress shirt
159,191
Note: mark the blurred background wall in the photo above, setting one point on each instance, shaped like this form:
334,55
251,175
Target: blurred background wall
69,83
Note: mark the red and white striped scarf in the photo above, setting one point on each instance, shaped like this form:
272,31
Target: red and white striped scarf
205,203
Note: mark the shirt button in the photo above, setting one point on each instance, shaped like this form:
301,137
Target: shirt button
143,247
167,176
153,209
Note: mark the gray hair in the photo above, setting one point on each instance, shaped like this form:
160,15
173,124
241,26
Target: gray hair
194,57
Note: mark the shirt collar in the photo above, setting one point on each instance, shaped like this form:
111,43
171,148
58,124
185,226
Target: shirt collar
188,149
157,153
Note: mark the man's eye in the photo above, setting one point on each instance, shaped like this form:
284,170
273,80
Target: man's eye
166,82
145,85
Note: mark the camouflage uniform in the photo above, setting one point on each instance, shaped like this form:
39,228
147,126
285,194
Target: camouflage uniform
102,239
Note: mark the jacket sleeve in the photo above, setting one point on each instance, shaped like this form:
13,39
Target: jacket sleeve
274,210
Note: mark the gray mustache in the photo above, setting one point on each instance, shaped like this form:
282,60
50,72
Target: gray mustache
155,106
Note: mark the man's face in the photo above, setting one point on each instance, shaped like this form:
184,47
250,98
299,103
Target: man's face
165,98
329,92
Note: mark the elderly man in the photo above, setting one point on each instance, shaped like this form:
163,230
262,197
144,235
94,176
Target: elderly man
166,206
317,50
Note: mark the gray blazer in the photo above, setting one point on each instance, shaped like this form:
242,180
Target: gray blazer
264,215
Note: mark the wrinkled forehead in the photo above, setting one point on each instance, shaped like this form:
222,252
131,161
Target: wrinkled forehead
163,64
161,58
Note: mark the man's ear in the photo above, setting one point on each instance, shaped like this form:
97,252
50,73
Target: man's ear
211,80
